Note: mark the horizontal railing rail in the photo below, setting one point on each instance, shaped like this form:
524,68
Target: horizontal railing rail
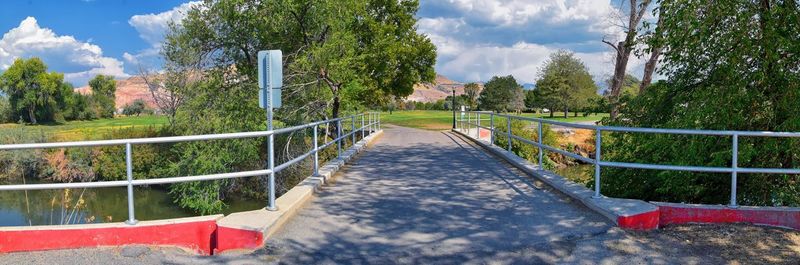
369,123
467,123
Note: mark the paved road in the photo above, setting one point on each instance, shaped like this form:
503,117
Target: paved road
431,197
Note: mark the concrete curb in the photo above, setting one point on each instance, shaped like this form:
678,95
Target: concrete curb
191,233
679,213
626,213
249,230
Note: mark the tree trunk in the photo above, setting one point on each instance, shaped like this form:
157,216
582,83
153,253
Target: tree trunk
551,113
575,114
623,49
623,54
31,115
335,112
566,112
650,66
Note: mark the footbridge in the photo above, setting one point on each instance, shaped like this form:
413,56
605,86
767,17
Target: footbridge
400,195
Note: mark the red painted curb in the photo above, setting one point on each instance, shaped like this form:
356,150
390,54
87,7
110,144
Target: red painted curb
642,221
192,235
232,238
687,213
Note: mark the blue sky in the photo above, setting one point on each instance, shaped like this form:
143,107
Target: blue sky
476,39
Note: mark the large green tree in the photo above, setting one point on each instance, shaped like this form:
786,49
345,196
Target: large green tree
472,90
31,90
501,94
103,94
564,83
338,56
733,65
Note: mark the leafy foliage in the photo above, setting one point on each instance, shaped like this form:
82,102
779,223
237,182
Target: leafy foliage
501,94
32,91
103,89
137,107
564,83
733,65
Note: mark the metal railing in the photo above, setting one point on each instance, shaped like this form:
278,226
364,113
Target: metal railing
467,124
370,123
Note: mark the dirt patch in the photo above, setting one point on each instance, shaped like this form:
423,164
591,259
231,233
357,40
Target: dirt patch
693,244
738,243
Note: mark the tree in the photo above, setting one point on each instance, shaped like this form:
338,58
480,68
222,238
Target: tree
530,99
564,82
732,65
635,11
103,94
653,40
338,56
472,91
134,108
499,94
31,90
329,46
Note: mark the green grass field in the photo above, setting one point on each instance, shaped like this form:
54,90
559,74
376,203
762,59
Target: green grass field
85,130
443,120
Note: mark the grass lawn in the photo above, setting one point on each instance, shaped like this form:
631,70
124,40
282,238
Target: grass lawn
85,130
443,120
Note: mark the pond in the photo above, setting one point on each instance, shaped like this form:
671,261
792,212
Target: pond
96,205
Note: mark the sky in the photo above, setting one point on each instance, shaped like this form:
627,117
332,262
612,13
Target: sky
475,39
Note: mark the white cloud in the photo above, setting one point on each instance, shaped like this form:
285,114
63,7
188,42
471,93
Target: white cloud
151,28
478,39
79,61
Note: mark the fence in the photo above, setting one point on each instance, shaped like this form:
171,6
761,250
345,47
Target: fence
466,125
370,122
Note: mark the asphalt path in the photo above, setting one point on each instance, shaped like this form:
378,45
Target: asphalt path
422,196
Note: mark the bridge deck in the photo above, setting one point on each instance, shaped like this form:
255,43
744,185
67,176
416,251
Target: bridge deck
421,196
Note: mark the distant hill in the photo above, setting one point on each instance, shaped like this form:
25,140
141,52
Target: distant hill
134,88
128,90
439,89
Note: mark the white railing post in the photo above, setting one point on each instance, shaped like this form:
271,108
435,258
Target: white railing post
271,181
491,128
478,127
362,126
353,130
508,121
734,166
129,170
541,150
597,144
316,152
469,122
339,138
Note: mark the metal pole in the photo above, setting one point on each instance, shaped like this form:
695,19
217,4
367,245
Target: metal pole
735,166
541,150
597,144
339,138
478,127
316,152
129,167
469,121
271,150
362,126
453,105
491,126
508,121
353,130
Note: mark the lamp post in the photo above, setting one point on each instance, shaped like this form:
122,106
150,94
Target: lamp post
453,106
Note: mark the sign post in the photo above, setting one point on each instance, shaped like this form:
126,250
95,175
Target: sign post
270,81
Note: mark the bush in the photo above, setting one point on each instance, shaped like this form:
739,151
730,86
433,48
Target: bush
525,150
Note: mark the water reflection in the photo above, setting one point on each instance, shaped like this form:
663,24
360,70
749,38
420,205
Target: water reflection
97,205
